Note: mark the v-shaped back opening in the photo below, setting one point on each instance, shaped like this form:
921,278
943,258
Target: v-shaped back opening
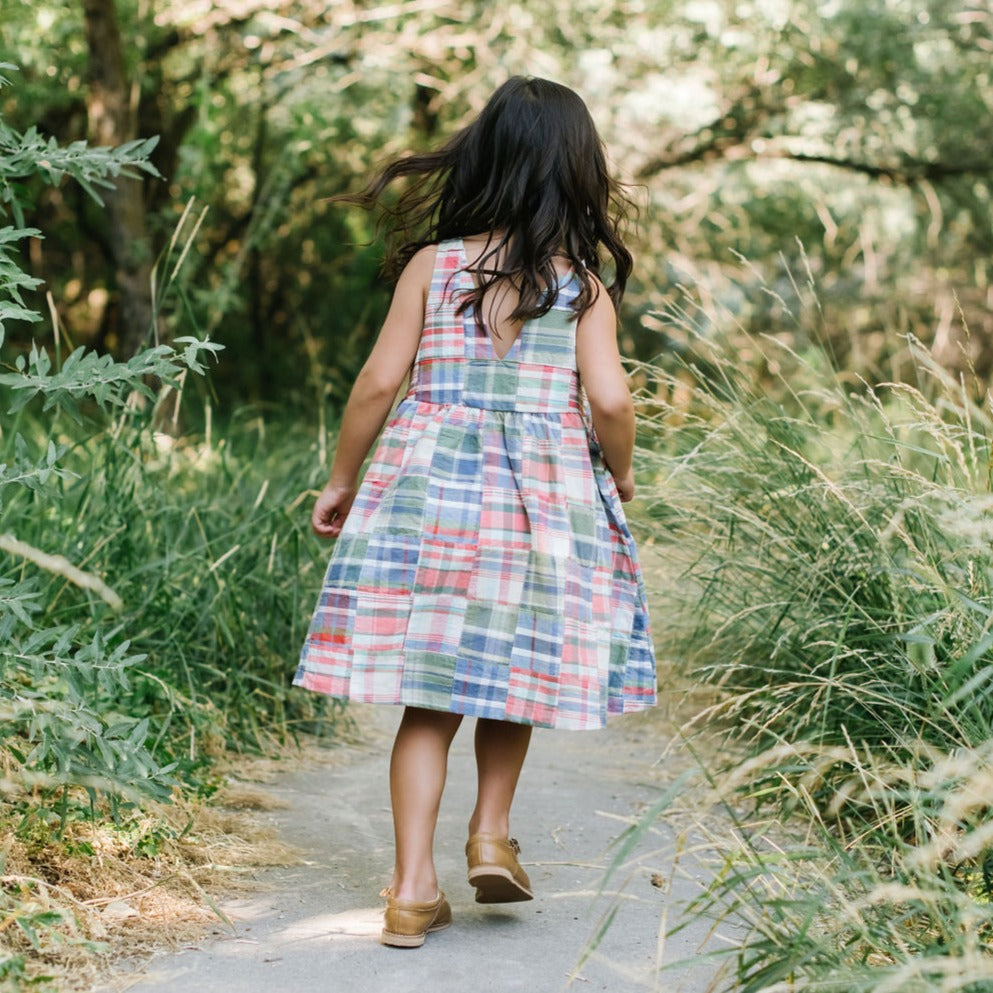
475,313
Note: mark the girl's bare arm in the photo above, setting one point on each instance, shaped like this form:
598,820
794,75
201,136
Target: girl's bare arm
603,377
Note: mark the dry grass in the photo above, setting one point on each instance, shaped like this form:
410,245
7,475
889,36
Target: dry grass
105,892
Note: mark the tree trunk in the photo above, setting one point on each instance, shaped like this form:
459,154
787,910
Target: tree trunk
112,115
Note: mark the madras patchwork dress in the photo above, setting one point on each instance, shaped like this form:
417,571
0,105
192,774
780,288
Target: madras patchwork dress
485,567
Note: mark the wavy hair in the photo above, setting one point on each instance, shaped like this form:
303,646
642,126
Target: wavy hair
530,168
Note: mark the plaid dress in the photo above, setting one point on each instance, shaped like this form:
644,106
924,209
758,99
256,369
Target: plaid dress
485,567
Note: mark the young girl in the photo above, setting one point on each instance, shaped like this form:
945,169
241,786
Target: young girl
484,566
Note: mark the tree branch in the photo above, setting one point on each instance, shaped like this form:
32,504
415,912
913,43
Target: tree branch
908,173
739,146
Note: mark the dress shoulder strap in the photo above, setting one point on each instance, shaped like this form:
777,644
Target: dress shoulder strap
438,373
445,276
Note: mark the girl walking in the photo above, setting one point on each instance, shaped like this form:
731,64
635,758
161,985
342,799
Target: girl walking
484,567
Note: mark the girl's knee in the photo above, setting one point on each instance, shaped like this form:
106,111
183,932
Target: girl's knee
435,720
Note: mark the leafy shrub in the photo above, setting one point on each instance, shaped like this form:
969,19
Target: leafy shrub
149,589
153,588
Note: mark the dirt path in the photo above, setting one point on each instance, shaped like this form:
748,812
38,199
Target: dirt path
315,926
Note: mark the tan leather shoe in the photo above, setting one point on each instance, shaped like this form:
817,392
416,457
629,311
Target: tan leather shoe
406,922
494,869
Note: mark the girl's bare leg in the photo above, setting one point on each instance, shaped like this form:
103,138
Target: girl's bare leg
417,778
501,747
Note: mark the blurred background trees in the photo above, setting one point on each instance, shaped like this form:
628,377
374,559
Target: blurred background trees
849,142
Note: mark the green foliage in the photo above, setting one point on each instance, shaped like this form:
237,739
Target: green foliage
203,544
95,686
87,375
151,587
29,154
13,280
85,703
832,583
909,911
60,681
60,719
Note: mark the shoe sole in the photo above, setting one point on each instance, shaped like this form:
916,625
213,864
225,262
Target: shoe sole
409,940
495,884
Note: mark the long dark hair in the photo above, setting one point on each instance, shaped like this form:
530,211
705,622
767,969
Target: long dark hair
532,167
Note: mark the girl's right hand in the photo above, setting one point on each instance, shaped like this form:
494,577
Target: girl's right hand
625,486
331,509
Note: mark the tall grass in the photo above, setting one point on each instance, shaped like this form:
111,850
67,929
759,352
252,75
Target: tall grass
834,912
203,544
830,547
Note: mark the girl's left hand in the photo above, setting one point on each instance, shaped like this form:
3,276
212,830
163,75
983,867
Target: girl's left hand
331,509
625,486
